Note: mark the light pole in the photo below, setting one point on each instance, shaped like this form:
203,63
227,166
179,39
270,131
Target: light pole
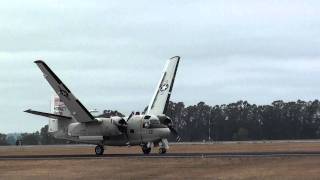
209,123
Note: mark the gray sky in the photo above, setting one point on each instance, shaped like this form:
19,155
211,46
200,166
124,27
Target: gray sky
111,53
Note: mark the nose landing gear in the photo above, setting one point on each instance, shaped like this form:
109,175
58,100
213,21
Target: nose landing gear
99,150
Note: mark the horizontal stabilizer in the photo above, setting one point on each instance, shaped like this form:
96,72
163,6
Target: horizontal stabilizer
49,115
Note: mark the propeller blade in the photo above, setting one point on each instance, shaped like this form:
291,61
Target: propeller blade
130,116
123,127
175,133
124,130
178,139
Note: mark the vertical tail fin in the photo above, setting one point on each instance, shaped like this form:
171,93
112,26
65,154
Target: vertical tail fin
53,123
58,108
160,100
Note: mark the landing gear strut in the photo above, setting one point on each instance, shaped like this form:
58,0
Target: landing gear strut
164,145
146,149
99,150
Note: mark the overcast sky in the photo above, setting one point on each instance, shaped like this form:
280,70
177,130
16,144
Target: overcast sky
111,53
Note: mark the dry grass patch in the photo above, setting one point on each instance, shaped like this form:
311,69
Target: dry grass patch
185,148
191,168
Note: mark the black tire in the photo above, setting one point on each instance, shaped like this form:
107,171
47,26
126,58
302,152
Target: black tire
162,150
99,150
146,150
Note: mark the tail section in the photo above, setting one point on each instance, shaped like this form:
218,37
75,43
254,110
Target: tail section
59,118
160,100
60,109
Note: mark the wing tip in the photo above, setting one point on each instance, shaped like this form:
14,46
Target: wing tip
39,61
175,57
27,110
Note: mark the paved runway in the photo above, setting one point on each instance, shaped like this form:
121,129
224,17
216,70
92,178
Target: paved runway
168,155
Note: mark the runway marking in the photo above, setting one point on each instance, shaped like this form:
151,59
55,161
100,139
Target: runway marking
168,155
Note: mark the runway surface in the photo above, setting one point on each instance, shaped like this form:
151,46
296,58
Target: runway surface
168,155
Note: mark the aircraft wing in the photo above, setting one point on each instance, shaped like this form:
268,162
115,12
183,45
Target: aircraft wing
160,100
49,115
78,111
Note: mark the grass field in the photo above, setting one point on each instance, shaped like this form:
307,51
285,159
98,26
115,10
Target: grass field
164,168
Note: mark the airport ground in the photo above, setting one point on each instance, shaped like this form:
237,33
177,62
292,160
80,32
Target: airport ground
126,166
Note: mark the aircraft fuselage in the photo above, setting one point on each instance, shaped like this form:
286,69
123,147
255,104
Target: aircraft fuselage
106,131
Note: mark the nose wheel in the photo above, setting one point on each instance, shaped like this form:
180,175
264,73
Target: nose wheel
99,150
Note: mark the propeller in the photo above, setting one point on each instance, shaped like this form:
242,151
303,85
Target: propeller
175,133
130,116
123,127
168,122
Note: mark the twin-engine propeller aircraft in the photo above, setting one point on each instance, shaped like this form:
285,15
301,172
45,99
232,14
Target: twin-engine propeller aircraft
76,123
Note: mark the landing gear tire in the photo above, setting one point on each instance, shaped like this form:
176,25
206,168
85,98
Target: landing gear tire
162,150
99,150
146,150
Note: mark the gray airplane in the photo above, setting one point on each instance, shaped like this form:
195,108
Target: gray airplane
148,130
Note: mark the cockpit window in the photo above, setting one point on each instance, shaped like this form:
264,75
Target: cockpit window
149,123
147,117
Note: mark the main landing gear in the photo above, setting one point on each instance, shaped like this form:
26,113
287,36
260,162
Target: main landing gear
99,150
164,145
162,150
146,149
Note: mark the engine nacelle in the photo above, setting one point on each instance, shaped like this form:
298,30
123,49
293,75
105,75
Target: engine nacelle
165,120
151,121
120,123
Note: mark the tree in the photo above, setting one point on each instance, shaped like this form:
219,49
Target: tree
11,140
241,120
46,137
3,139
242,134
31,138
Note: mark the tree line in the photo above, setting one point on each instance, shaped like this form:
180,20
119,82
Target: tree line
245,121
36,138
234,121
